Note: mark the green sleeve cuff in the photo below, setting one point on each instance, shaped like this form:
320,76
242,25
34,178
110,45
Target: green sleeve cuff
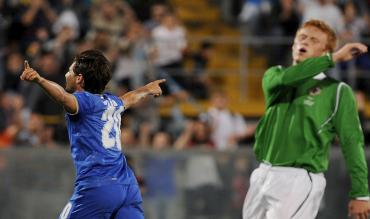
330,57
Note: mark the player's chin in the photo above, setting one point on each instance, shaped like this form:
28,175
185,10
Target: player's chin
70,90
301,58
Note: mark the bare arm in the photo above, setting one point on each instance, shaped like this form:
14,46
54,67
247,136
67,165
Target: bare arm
349,51
54,90
133,97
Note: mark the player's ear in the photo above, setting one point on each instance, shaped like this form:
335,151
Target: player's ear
80,80
325,51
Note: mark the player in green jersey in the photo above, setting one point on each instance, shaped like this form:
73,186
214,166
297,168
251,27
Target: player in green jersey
305,110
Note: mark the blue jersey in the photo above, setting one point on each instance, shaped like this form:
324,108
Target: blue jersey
95,137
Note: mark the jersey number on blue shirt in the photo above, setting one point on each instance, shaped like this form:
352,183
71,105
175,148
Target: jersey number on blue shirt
111,129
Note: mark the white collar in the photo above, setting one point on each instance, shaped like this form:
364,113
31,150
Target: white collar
320,76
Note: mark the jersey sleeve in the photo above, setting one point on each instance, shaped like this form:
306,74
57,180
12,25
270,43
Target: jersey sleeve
293,76
120,102
348,128
84,102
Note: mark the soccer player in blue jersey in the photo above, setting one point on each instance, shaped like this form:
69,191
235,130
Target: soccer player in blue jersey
105,186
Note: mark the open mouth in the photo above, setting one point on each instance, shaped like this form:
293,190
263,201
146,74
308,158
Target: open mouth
302,50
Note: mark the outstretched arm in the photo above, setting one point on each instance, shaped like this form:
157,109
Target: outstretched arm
54,90
151,89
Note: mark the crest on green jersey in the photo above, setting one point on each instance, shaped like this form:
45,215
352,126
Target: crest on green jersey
315,91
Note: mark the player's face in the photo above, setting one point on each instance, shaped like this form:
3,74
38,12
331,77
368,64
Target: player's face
309,42
71,84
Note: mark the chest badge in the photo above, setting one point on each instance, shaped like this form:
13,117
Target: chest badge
315,91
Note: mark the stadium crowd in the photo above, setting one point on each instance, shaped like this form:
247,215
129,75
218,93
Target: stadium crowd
50,33
144,45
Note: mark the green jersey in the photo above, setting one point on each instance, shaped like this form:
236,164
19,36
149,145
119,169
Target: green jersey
305,110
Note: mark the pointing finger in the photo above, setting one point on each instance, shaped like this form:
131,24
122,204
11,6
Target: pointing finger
160,81
26,65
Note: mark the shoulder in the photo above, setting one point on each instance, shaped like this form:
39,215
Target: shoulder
83,94
336,84
345,89
113,97
276,68
85,101
273,71
339,89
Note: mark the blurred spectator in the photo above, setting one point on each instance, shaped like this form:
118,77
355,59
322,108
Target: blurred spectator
132,62
111,16
102,40
354,24
197,82
202,181
169,39
197,133
31,131
157,12
67,19
109,19
36,17
169,43
283,21
288,17
11,109
355,27
227,127
251,13
203,186
145,121
66,30
160,179
128,138
12,71
201,57
325,10
145,132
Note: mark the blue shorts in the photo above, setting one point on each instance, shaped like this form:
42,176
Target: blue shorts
105,202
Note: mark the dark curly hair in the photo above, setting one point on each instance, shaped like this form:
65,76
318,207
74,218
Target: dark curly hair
95,70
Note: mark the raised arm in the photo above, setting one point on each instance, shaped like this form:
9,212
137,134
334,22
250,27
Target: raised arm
151,89
54,90
276,78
